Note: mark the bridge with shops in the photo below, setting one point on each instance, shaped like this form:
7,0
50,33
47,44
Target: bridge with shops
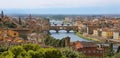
62,27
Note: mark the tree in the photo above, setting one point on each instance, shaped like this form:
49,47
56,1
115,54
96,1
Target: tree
52,53
35,51
116,55
16,50
69,53
54,42
7,54
62,42
36,54
23,55
9,24
33,47
3,48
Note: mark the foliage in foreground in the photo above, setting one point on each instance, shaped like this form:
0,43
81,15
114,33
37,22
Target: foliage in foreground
54,42
69,53
35,51
116,55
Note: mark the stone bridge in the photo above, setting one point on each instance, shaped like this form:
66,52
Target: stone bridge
62,27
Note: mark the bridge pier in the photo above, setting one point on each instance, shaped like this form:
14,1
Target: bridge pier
57,31
68,31
68,24
67,28
62,24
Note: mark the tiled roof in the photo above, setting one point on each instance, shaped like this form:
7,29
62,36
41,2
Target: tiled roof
88,44
85,44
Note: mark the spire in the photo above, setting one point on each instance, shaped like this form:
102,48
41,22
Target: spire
2,14
20,21
30,17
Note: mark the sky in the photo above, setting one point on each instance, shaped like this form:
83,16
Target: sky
60,6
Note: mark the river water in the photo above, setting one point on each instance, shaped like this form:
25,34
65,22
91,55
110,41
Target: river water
63,33
71,34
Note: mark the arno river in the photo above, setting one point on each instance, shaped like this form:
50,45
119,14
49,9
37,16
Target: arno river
63,33
71,34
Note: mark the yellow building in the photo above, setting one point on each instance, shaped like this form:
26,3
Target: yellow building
19,40
8,34
13,33
107,33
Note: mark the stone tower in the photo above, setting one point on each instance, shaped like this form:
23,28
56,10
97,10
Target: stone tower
2,14
20,21
30,17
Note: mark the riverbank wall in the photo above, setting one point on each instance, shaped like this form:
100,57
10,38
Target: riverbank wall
87,38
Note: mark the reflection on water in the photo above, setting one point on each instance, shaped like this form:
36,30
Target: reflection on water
63,33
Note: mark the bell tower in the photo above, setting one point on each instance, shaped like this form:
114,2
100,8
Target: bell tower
30,16
2,14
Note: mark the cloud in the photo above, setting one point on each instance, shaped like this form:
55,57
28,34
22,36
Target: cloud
36,4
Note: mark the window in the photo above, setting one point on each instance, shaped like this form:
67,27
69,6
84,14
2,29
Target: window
100,51
89,51
97,51
84,51
94,51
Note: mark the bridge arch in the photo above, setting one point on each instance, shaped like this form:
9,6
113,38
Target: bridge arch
68,28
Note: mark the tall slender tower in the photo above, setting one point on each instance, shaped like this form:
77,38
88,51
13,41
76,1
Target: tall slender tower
20,21
30,17
2,14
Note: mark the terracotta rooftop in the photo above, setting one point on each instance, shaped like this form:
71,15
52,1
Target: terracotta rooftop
83,44
88,44
106,29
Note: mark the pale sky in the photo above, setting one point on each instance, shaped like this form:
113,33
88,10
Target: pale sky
61,6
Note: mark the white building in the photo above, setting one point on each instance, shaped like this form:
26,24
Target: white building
116,35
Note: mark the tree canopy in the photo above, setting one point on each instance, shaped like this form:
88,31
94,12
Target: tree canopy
35,51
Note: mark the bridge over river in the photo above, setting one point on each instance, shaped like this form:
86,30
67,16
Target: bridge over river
68,28
62,29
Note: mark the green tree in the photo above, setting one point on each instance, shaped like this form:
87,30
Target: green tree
3,48
117,55
33,47
52,53
23,55
35,54
35,51
62,42
16,50
9,24
7,54
69,53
